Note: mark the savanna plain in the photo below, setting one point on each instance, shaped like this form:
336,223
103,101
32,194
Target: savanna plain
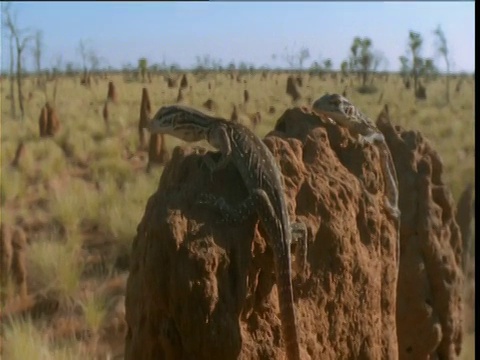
77,196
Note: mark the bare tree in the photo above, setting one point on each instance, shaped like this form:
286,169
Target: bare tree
21,38
56,71
303,55
37,51
294,59
415,45
344,67
12,78
83,51
5,33
442,49
94,60
289,57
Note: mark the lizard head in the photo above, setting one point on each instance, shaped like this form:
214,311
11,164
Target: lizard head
180,121
334,107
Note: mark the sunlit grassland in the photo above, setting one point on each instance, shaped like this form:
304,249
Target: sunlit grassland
81,186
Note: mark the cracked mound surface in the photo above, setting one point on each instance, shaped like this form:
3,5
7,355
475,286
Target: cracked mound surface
429,300
204,290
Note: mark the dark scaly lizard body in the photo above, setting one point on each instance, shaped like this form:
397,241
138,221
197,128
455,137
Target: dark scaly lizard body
262,178
341,111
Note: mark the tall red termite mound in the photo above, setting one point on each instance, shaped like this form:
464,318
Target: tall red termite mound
208,289
157,151
429,291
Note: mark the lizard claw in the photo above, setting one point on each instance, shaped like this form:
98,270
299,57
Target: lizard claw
211,200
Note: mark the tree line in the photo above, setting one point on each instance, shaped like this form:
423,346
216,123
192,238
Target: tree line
363,60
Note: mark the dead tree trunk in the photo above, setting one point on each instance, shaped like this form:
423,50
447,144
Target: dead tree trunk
19,80
12,79
21,41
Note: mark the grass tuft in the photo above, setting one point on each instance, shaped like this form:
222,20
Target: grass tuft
56,267
24,341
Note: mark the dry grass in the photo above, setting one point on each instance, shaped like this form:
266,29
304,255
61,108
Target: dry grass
55,267
83,192
25,340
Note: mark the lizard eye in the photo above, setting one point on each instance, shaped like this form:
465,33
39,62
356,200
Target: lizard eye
335,101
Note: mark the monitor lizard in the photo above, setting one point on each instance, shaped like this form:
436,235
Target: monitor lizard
263,180
341,111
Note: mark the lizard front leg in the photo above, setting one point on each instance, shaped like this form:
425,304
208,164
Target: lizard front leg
218,138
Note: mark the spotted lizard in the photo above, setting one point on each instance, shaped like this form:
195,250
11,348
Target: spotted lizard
263,180
339,110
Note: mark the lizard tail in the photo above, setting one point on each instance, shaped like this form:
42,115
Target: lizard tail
287,311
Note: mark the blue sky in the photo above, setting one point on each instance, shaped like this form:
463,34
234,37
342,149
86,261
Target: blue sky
122,32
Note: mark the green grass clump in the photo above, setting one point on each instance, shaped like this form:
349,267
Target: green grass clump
90,182
24,341
94,311
75,204
66,207
56,266
118,169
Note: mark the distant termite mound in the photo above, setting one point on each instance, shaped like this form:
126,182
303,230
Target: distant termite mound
180,96
292,88
171,83
246,96
85,80
145,113
53,123
210,105
157,151
234,116
112,93
299,80
146,100
48,122
19,153
421,92
13,243
184,82
255,119
42,122
106,115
